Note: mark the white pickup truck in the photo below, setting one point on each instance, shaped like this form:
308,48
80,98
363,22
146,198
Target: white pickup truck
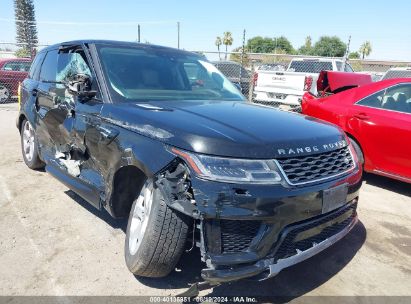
284,89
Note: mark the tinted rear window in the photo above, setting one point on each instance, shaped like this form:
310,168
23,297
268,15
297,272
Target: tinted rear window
311,66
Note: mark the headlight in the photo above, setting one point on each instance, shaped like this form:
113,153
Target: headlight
232,170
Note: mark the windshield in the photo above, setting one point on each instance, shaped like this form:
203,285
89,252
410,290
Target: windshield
149,73
308,66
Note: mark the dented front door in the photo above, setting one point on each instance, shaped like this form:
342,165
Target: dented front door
53,107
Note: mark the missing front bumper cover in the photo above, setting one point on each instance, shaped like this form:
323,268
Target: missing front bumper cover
270,267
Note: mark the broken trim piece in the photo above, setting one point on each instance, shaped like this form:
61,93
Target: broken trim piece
175,184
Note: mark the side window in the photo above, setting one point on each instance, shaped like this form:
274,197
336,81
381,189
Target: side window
396,98
17,66
35,67
70,64
49,67
374,100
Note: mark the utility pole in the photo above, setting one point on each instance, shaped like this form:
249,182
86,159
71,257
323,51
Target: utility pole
178,34
347,52
242,61
138,29
242,53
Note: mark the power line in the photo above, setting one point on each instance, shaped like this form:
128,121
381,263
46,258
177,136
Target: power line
128,23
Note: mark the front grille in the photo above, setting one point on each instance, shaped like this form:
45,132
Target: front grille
305,169
236,236
294,236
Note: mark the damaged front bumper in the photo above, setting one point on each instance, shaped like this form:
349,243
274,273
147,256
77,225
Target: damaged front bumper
270,267
258,230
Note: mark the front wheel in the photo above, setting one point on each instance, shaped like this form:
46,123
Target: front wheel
29,146
156,234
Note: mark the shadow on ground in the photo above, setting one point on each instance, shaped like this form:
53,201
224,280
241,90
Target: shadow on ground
290,283
388,184
102,214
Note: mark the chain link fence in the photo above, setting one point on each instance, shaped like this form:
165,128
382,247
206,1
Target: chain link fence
266,79
270,79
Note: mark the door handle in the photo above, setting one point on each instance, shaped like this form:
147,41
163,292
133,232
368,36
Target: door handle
362,116
34,92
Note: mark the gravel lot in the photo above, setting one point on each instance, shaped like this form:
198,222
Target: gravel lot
54,243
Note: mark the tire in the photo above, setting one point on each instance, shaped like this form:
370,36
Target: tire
4,94
358,150
29,146
161,234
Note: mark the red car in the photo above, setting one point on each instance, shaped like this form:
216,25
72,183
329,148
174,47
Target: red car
12,72
376,116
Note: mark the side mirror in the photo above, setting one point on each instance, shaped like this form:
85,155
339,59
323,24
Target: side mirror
80,85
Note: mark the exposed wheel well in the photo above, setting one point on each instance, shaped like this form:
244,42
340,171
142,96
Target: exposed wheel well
362,156
354,139
128,182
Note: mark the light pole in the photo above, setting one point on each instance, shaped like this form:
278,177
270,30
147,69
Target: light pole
138,29
178,34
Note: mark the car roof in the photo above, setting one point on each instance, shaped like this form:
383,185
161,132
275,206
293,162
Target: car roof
5,60
373,87
116,43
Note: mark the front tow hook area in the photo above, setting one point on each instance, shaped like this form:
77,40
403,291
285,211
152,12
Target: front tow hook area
194,290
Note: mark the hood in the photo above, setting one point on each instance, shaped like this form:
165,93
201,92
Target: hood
232,129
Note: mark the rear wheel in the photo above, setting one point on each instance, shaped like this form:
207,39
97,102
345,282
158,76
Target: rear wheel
29,146
156,234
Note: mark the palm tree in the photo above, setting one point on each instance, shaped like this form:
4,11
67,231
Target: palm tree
227,40
218,42
365,49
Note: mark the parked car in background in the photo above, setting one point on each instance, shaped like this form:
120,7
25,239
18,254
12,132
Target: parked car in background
397,73
236,73
285,89
12,72
377,119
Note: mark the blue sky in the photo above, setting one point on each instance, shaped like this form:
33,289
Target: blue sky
387,24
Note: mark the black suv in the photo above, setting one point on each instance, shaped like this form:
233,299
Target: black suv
160,136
